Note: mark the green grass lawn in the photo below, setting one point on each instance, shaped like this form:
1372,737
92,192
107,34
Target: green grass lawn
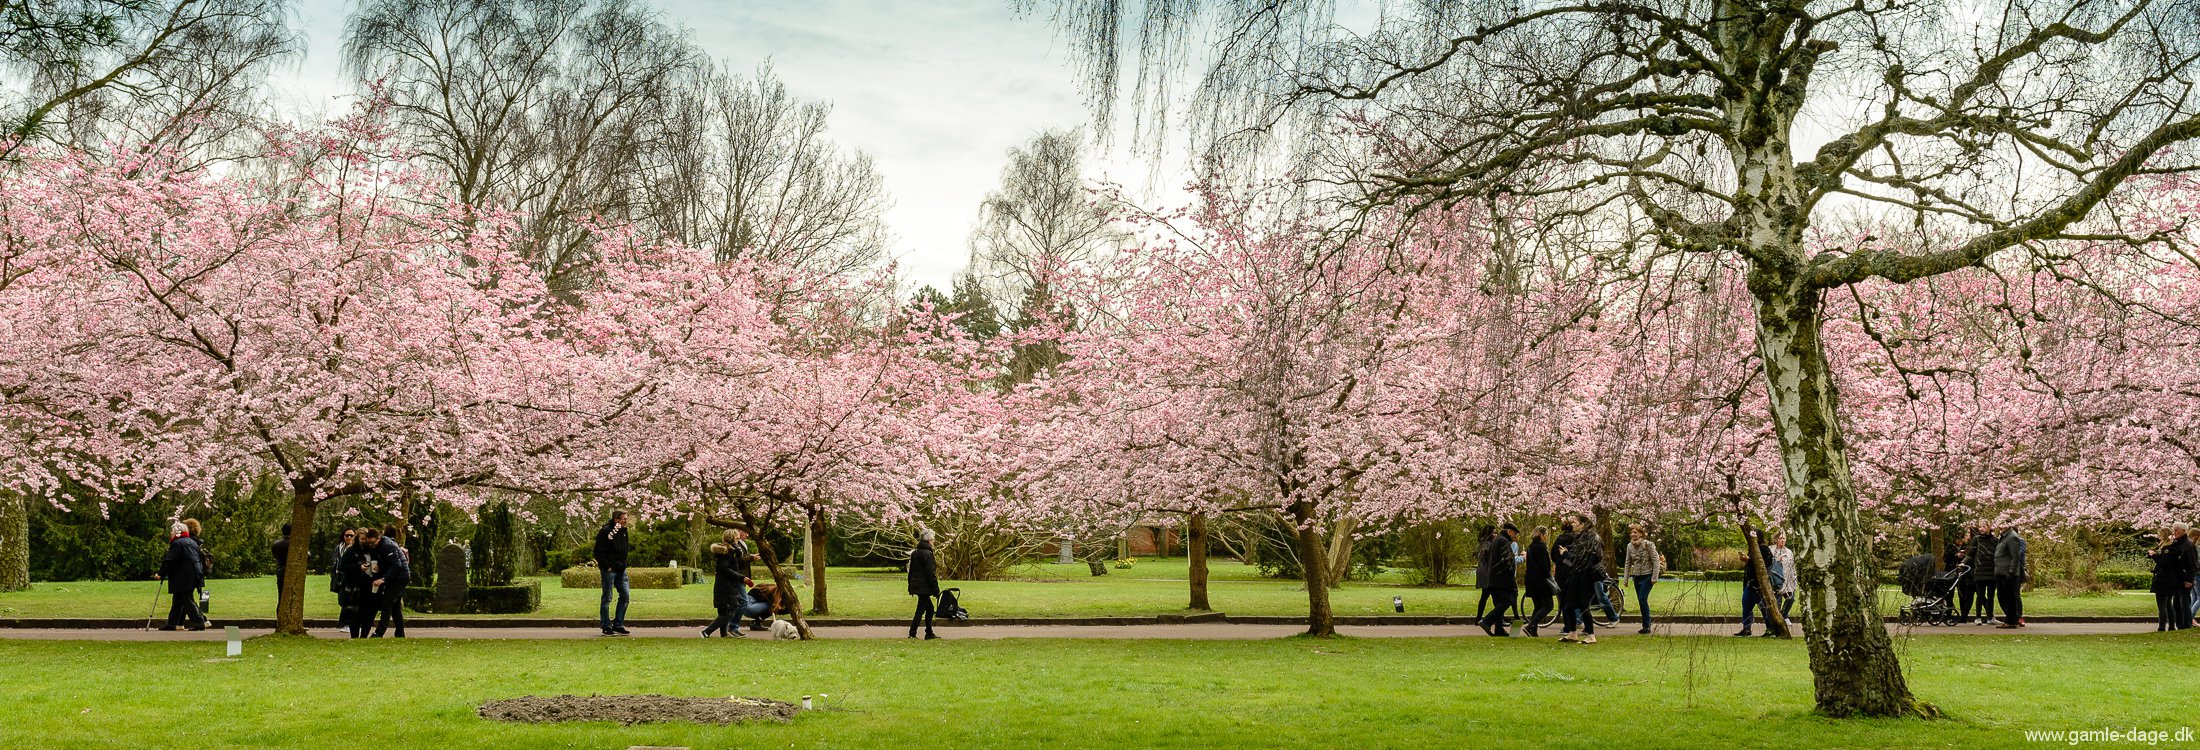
1360,693
1151,587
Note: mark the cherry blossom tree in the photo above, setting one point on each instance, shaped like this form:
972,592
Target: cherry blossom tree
183,328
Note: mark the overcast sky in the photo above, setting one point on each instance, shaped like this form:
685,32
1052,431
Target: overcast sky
936,92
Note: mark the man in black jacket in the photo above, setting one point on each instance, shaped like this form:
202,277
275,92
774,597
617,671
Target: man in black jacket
612,544
1498,564
183,567
281,551
395,574
2011,570
924,583
2187,556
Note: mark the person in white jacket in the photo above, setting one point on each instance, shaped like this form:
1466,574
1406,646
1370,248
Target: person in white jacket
1785,558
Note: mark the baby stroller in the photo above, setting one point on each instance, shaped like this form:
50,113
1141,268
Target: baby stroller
1932,597
950,606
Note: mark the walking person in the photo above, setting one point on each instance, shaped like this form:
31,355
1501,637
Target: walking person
924,583
1753,598
2192,592
726,590
1981,554
1582,560
2187,561
1501,559
281,552
394,573
1539,578
1787,585
1966,588
2010,575
184,568
1482,573
361,598
336,576
2169,581
613,542
1644,565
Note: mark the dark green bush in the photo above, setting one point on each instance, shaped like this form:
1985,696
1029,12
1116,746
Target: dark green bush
2126,579
495,548
524,596
420,598
658,541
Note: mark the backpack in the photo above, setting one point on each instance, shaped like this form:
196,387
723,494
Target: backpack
950,606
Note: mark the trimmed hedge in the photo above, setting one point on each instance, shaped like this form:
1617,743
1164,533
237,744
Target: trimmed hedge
2128,580
640,578
523,596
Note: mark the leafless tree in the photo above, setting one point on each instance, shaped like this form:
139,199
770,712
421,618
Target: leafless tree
550,108
173,74
1043,221
754,176
1994,128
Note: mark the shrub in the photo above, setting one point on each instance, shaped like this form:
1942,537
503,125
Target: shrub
524,596
495,548
658,541
420,598
2127,580
521,597
1437,552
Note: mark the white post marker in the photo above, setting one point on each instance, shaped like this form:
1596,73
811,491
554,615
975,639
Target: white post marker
236,641
805,703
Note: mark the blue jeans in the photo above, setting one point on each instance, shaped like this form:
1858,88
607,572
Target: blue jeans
1751,600
1642,596
2194,595
1604,602
613,579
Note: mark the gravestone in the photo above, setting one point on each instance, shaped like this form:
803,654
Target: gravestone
450,578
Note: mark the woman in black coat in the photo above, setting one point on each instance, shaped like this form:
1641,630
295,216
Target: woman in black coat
726,590
1980,554
1581,558
1540,586
2172,574
924,583
360,602
184,568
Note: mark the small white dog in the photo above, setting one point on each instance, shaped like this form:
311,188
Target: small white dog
783,630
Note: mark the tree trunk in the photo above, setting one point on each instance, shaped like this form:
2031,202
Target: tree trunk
1195,550
1853,663
1339,554
1936,543
762,534
817,561
1320,621
290,603
15,541
1608,536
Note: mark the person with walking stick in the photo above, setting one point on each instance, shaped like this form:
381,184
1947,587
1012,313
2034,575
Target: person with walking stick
183,570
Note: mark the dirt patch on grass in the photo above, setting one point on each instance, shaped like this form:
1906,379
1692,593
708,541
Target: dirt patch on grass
637,709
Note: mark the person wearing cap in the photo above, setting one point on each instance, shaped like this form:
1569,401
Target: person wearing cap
1644,565
183,567
1500,561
